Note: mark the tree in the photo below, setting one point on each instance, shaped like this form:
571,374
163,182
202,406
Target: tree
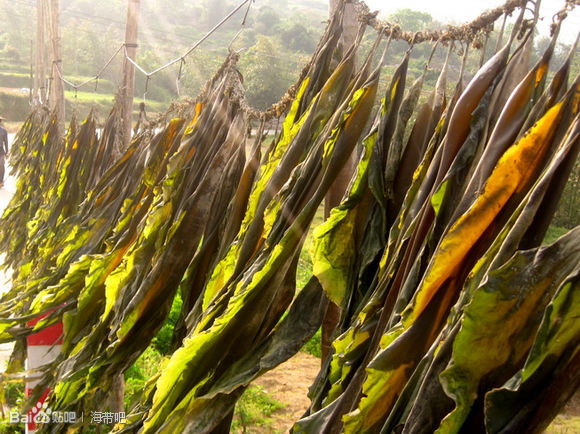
266,20
411,20
266,80
215,11
296,36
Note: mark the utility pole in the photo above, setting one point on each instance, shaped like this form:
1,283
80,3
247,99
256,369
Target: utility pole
115,395
39,95
349,23
56,94
128,87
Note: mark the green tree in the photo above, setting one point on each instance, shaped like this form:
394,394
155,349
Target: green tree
14,40
266,20
266,75
296,36
411,20
215,11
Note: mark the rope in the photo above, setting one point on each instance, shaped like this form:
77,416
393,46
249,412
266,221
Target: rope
560,16
243,25
194,46
465,32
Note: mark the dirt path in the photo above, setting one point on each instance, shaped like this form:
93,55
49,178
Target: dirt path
568,421
289,384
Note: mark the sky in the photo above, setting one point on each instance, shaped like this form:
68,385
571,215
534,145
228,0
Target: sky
461,11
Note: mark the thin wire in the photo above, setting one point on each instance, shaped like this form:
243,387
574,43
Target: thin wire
181,59
161,68
178,79
464,32
95,77
416,38
243,25
133,62
193,47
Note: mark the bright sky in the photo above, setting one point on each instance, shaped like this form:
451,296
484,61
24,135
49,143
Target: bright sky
461,11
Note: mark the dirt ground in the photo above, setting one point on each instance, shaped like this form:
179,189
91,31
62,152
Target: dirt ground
568,421
289,384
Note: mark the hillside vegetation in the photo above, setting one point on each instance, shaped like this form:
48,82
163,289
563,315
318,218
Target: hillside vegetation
277,41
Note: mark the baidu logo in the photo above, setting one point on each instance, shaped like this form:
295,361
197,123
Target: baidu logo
41,414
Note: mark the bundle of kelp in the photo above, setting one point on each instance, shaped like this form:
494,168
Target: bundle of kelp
237,333
454,319
373,254
135,234
196,210
48,212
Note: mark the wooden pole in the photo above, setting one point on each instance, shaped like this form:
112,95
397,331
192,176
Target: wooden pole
56,94
40,74
349,23
115,398
128,87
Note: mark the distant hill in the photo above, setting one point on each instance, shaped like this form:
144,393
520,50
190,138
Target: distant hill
278,39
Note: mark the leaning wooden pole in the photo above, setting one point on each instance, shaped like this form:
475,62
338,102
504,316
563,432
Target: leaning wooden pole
39,92
56,95
128,87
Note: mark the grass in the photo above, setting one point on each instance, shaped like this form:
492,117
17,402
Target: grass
15,74
255,406
108,98
254,409
304,271
312,347
153,359
162,342
149,364
11,400
15,105
303,275
553,233
10,428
